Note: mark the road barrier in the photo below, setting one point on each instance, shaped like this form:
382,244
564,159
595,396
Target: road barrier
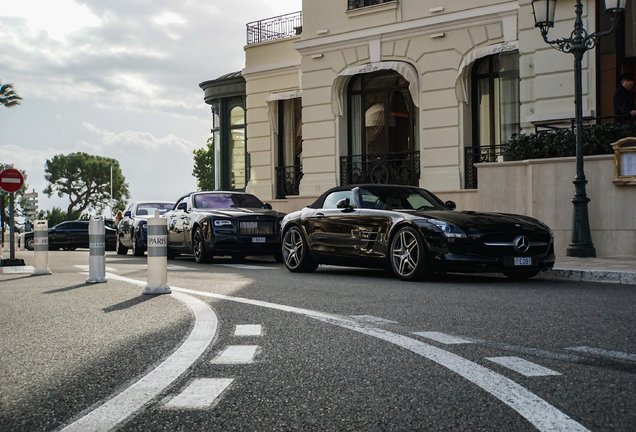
157,242
40,248
97,251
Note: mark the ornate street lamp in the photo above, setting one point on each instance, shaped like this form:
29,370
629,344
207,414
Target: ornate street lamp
578,43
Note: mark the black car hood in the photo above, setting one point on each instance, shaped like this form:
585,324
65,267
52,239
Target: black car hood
484,222
232,213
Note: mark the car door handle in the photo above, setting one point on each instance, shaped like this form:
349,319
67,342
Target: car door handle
320,215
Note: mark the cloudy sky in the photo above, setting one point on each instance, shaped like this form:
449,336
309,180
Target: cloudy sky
118,78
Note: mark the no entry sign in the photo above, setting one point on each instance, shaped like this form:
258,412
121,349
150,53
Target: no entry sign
11,180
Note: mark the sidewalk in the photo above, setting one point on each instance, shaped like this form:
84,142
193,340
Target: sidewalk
621,270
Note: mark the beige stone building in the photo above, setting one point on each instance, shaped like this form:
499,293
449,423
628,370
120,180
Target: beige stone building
401,91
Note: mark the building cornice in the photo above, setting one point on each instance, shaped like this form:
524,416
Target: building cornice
273,69
420,27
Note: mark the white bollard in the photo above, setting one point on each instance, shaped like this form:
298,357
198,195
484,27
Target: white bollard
97,254
157,229
40,248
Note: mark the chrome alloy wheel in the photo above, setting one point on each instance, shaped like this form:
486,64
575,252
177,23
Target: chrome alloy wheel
293,249
198,245
406,253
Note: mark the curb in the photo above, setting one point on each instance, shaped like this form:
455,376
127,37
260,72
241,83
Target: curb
604,276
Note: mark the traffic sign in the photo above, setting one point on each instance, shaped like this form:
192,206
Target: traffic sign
11,180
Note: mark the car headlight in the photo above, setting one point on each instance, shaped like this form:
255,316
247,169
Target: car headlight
448,229
222,222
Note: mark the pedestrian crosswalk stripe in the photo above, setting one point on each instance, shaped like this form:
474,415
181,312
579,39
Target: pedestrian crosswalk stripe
524,367
199,394
248,330
17,269
443,338
237,354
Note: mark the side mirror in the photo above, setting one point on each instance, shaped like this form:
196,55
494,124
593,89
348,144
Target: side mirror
344,204
182,206
127,213
268,206
451,205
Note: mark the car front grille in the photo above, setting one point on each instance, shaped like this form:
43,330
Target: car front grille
499,245
256,227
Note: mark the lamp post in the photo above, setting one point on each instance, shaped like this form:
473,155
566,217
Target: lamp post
577,44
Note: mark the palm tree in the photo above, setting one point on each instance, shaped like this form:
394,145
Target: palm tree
8,96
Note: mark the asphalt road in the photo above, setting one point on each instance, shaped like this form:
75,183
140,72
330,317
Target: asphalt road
249,346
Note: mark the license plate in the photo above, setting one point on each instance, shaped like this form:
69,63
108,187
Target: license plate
523,261
258,239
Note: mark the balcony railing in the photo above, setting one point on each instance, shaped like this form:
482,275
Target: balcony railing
357,4
401,168
475,155
288,180
275,28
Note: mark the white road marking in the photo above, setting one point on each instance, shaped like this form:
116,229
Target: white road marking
524,367
175,267
17,269
370,319
237,354
86,268
116,410
531,351
603,352
247,266
443,338
200,394
248,330
537,411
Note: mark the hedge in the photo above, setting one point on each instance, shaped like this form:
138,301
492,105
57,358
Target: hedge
597,139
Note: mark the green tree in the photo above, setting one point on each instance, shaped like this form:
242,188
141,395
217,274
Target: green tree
204,166
55,216
8,97
85,179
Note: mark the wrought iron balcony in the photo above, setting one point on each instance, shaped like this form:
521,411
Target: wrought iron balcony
357,4
401,168
475,155
288,180
275,28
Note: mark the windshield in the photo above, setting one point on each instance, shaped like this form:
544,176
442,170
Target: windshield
225,201
145,209
399,198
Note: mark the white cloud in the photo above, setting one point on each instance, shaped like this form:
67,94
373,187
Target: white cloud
143,140
58,18
169,18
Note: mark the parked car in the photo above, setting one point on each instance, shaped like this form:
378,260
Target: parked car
71,235
132,230
413,233
237,224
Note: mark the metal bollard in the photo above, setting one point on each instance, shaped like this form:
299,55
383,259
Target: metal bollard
41,248
157,256
97,254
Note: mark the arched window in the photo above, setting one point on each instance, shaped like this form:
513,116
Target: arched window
236,151
495,109
381,130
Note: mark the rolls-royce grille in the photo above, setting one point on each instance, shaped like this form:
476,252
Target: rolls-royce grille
256,227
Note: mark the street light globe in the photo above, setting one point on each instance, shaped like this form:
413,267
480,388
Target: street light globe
543,11
613,6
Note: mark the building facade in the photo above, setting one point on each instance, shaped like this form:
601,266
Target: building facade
402,91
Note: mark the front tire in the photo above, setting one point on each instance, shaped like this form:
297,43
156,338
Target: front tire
296,252
28,244
408,254
201,254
